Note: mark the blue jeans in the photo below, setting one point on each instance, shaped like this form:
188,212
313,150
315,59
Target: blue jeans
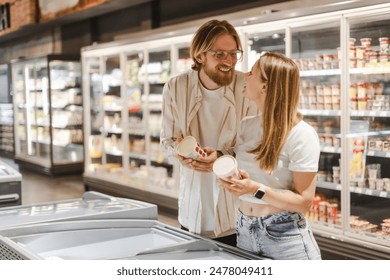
281,236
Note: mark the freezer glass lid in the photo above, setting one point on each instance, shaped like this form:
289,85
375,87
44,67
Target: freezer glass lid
90,205
92,240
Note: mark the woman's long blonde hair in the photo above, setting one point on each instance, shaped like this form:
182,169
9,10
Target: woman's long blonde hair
280,109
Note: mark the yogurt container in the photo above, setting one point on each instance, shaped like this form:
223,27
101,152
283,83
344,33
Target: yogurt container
226,166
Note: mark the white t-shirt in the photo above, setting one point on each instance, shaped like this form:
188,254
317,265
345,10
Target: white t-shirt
210,116
300,153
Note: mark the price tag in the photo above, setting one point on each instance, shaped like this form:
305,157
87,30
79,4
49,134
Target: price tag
369,192
383,114
371,153
388,154
358,190
326,112
372,113
338,187
383,194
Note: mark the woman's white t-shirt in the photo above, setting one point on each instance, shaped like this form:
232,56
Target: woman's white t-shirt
300,153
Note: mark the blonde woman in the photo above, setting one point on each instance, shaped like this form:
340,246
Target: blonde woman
278,155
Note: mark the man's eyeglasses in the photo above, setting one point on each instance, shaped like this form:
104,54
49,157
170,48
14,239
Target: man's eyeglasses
218,54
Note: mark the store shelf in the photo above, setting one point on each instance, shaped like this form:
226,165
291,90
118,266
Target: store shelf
365,113
370,192
315,112
329,185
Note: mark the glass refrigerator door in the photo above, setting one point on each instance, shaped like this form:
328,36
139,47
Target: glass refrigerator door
158,71
369,128
94,116
184,61
135,118
112,104
317,57
259,42
31,103
67,110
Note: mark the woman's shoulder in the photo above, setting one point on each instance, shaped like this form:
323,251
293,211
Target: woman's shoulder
303,131
303,126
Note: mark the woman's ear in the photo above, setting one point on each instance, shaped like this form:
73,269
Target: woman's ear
264,88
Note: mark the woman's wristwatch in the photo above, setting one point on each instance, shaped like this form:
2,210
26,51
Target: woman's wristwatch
260,192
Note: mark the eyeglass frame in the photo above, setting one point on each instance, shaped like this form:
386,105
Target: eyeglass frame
226,53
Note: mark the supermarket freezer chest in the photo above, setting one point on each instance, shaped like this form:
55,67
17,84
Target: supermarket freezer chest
111,239
92,205
99,226
10,186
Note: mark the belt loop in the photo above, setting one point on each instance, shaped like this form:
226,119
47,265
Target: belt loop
241,219
261,222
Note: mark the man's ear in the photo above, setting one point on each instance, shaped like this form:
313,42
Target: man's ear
200,58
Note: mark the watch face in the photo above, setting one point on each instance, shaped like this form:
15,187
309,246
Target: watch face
259,194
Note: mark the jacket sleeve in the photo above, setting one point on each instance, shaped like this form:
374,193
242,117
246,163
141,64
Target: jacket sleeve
170,129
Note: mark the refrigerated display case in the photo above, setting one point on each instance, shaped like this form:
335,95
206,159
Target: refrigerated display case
367,156
123,100
6,130
6,114
344,63
48,113
10,186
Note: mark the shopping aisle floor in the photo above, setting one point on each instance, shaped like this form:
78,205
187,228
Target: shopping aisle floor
37,188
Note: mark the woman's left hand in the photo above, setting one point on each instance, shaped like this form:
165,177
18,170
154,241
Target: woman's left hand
239,186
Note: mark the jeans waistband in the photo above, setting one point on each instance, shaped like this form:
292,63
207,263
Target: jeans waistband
283,216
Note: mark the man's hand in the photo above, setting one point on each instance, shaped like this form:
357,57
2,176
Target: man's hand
201,164
205,164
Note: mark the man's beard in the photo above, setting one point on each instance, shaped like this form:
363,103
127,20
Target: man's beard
217,76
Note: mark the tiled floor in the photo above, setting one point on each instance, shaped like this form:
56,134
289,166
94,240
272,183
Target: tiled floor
37,188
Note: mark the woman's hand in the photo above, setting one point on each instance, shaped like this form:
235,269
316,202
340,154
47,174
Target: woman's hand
239,186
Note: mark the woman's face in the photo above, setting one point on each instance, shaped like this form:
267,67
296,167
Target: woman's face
255,89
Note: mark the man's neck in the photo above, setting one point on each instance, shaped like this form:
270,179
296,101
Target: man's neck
206,81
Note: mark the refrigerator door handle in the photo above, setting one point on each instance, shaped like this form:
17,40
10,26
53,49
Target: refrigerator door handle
6,198
192,245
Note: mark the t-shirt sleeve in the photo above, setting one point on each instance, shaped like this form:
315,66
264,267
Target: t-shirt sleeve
240,139
304,150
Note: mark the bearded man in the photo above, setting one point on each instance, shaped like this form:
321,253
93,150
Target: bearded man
206,102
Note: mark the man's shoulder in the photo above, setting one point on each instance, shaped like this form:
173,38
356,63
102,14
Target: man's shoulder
189,74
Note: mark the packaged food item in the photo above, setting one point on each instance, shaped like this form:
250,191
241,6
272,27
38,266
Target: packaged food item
373,56
384,57
385,227
226,166
384,45
366,42
190,148
360,52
